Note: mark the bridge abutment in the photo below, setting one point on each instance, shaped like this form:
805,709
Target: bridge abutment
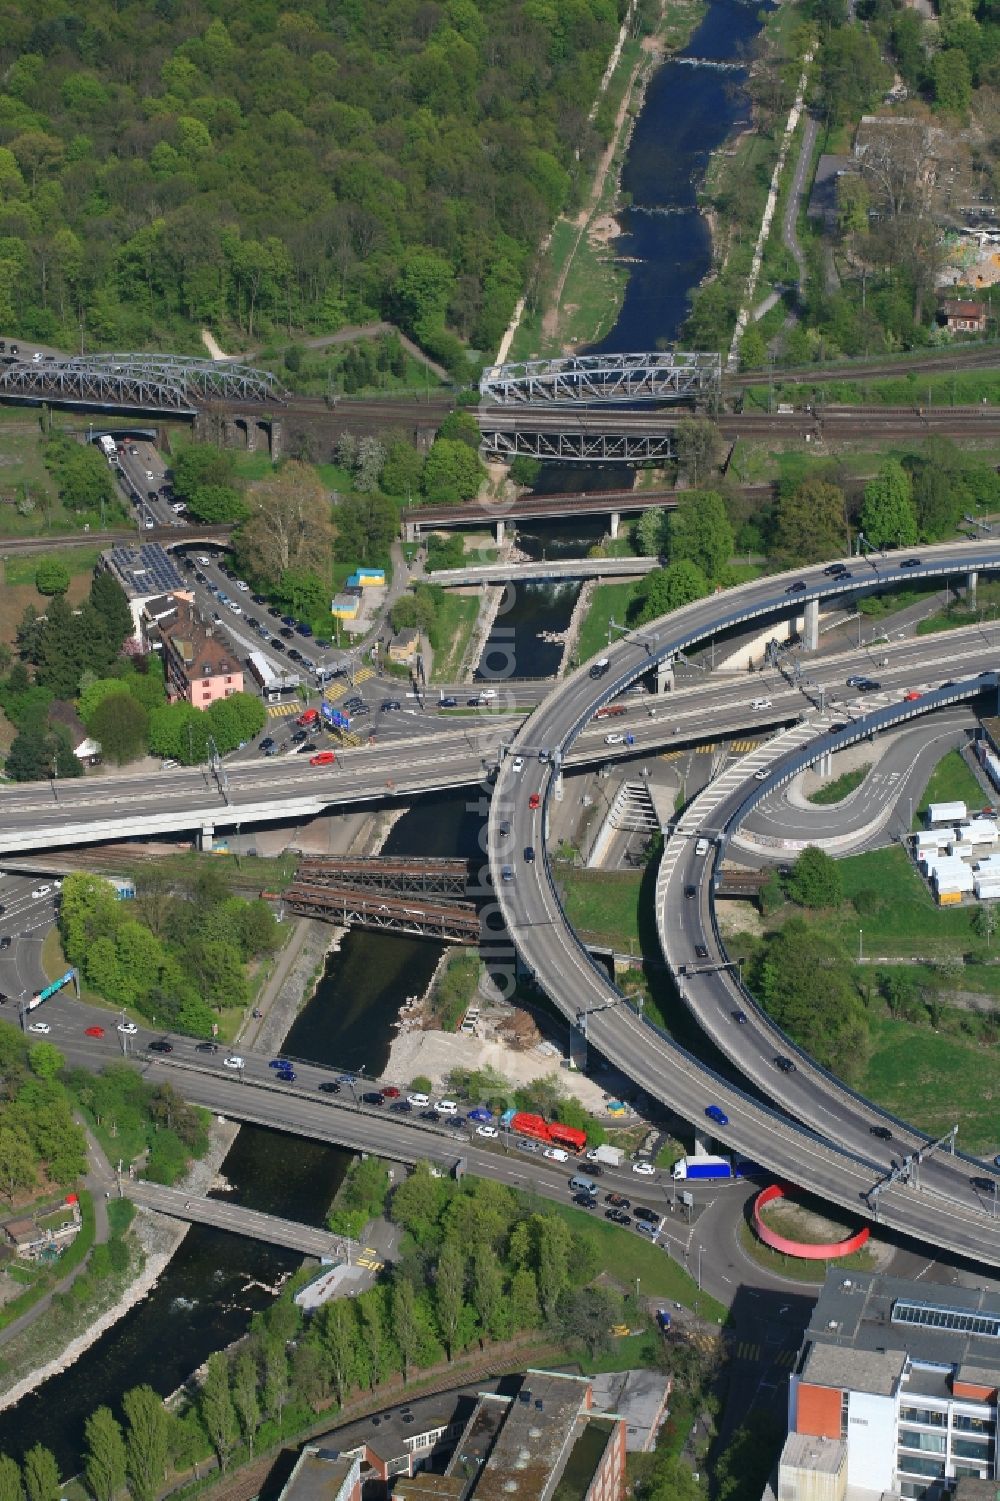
206,837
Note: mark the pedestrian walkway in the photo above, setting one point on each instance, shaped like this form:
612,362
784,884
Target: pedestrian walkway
284,711
197,1209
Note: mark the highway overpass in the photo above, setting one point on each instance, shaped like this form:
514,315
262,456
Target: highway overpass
946,1210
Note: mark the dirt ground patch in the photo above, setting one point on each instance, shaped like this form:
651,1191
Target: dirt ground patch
739,917
805,1224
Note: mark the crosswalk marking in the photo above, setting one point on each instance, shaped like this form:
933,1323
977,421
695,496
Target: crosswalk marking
281,711
742,747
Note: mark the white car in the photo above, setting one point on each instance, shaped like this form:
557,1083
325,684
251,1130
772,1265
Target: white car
40,1027
128,1029
149,474
36,357
446,1107
615,738
40,891
760,703
762,775
644,1169
489,1133
234,1061
243,586
204,562
518,763
487,693
236,609
419,1101
556,1154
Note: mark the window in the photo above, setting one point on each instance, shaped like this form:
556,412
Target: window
932,1316
967,1422
969,1448
915,1466
923,1415
913,1438
229,680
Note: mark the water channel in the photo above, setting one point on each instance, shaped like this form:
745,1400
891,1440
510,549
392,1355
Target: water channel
208,1292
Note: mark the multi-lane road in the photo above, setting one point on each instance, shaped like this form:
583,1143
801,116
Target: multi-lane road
835,1154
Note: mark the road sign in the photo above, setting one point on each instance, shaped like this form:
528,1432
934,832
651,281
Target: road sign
43,995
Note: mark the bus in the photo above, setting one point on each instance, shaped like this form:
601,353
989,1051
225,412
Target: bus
108,448
272,684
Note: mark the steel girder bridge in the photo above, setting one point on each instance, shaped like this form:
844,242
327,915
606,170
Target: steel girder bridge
179,384
603,378
450,922
575,446
402,874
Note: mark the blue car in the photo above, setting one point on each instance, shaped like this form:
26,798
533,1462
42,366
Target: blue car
481,1115
286,1075
718,1116
279,1063
347,1079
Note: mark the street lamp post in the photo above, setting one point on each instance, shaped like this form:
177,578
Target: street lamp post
861,945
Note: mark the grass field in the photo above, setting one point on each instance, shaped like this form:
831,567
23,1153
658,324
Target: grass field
608,602
951,781
456,622
836,791
624,1257
79,561
935,1082
603,905
901,916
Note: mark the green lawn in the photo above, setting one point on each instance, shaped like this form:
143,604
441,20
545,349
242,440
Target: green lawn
608,602
456,622
952,781
624,1257
935,1082
841,787
603,905
899,913
21,568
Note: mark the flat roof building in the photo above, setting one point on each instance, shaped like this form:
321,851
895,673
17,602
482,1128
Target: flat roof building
145,572
894,1391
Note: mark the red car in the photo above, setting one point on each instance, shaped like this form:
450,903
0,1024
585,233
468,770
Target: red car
323,758
534,800
909,698
95,1031
390,1092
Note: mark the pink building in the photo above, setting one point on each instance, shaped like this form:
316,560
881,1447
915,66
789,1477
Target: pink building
198,664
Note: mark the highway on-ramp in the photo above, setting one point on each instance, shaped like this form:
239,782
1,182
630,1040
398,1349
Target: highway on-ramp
835,1155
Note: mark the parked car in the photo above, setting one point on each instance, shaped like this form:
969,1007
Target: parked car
644,1169
234,1061
556,1154
489,1133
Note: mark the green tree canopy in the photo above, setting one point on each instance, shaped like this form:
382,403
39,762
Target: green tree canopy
51,577
452,473
698,531
887,516
815,880
810,523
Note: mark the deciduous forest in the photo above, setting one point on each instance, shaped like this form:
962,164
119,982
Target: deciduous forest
255,166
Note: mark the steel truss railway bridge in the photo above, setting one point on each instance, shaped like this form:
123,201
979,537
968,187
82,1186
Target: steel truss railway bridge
603,378
168,383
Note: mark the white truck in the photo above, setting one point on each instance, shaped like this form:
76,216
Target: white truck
610,1156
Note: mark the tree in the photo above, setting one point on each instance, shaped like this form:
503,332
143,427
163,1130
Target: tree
453,472
810,523
815,880
41,1474
404,1321
365,527
275,1376
17,1160
217,503
698,531
51,577
585,1316
651,531
107,598
121,724
524,1306
337,1329
487,1291
145,1441
288,525
217,1411
852,75
986,920
667,589
553,1241
952,81
698,445
11,1486
104,1465
805,982
45,1060
402,470
449,1292
887,515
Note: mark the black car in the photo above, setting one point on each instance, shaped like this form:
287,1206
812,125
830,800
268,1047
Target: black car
618,1201
401,1107
882,1132
199,576
529,854
160,1045
504,828
274,614
294,654
286,632
649,1215
834,569
307,749
785,1064
447,703
690,891
288,620
373,1097
297,736
304,630
329,1086
701,951
740,1017
869,685
258,599
985,1185
5,941
585,1201
618,1217
277,645
430,1115
253,623
206,1047
362,709
910,563
797,587
474,703
266,743
390,703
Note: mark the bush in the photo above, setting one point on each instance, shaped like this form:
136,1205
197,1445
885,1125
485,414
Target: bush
51,577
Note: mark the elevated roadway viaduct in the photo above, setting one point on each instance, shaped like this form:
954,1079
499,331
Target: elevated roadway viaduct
37,816
813,1131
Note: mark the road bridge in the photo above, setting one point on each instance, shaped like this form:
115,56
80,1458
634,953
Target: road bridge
946,1210
395,873
197,1209
446,922
603,378
558,568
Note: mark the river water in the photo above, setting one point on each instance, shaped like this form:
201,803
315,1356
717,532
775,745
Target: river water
206,1296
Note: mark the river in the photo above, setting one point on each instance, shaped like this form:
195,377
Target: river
205,1298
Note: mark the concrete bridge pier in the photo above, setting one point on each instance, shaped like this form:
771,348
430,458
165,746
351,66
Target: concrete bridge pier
500,532
810,625
665,675
616,521
207,836
971,580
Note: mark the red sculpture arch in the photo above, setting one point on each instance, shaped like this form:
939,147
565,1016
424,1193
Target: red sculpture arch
803,1249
